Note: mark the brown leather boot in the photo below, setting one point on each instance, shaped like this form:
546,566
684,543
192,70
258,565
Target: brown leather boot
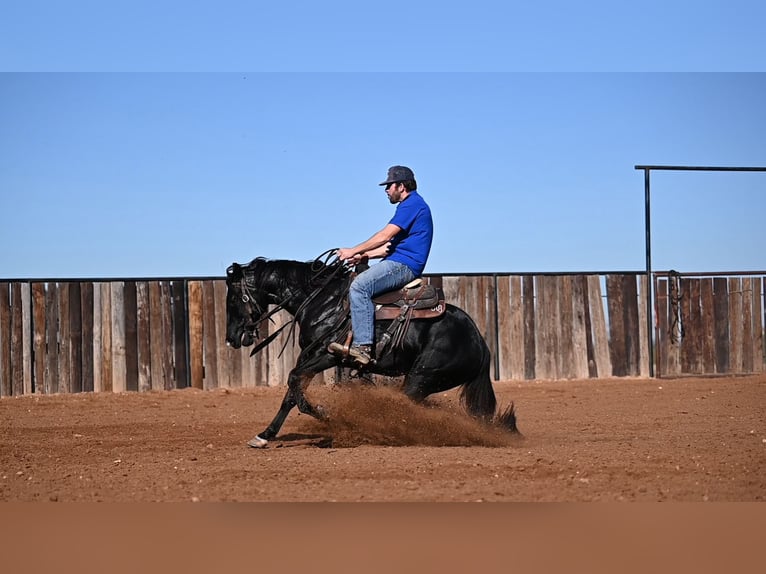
360,354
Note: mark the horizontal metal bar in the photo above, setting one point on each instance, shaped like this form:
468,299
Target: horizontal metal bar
710,274
696,168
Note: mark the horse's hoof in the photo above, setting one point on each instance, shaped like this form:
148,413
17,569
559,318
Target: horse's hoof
258,442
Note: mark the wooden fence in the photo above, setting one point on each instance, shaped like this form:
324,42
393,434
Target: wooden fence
138,335
709,323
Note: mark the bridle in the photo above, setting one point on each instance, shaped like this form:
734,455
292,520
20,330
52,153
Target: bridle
323,271
248,289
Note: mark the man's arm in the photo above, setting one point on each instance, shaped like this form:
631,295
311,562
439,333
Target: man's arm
373,244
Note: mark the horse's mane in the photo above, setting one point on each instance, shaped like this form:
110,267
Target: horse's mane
313,274
322,277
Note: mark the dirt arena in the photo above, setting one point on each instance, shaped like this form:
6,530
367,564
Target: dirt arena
701,439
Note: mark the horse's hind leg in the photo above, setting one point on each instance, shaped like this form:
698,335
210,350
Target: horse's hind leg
418,385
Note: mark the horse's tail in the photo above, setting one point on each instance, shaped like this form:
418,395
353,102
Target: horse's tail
478,397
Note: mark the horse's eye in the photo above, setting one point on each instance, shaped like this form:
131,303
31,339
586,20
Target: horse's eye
245,298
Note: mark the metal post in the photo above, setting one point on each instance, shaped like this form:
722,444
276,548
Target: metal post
649,298
647,215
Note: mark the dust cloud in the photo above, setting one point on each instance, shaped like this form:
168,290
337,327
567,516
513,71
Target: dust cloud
367,415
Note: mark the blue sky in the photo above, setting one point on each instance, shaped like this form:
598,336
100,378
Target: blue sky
140,160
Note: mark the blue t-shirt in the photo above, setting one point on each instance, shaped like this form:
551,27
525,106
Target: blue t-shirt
412,244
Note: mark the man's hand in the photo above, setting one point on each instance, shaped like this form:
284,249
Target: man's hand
346,254
350,255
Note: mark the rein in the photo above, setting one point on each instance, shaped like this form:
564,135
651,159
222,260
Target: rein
319,268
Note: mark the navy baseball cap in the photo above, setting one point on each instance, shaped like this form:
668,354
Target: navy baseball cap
397,174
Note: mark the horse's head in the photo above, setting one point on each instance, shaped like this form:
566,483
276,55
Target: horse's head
245,305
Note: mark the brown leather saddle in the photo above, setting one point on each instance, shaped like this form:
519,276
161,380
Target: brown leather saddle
416,300
420,300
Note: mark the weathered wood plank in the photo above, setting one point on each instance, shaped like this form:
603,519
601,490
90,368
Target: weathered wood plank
735,325
131,335
516,339
226,355
758,352
86,308
180,344
707,309
210,336
97,337
694,331
144,334
631,325
530,331
580,328
747,325
6,386
65,340
75,337
643,334
675,335
600,331
196,348
663,338
510,327
565,364
490,298
159,309
503,326
721,317
168,348
543,343
685,344
107,359
119,365
26,339
617,331
17,341
51,338
38,338
589,338
599,327
159,374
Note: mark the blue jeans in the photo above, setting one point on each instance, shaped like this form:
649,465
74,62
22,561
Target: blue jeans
379,278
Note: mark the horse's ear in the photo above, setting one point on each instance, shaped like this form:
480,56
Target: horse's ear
234,270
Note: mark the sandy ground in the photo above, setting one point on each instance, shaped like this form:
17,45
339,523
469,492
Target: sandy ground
592,440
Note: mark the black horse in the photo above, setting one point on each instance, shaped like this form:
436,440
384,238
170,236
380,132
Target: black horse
434,355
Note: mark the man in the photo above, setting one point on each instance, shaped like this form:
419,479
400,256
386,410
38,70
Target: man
403,244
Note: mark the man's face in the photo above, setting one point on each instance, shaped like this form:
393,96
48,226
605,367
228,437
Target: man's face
394,192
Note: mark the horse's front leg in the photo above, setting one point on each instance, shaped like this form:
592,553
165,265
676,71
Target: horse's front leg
261,440
298,380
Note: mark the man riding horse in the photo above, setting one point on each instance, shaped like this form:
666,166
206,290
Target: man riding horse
403,244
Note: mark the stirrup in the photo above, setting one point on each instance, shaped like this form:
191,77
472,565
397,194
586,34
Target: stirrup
338,349
342,349
362,357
